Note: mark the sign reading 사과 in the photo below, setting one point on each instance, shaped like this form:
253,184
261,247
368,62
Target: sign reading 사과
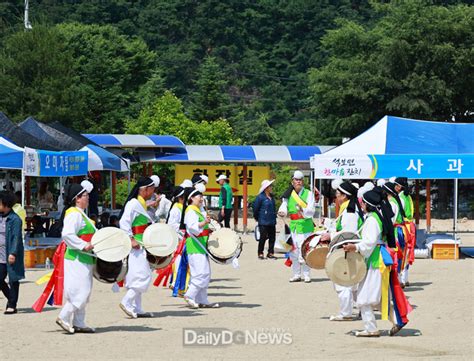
412,166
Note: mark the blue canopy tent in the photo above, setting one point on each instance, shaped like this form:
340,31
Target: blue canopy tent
394,135
417,149
11,156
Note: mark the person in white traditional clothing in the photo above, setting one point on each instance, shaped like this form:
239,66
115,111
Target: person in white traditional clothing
197,226
77,234
377,231
350,219
134,219
298,203
174,215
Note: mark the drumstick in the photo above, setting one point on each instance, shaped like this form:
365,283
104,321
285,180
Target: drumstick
88,254
103,239
150,245
104,249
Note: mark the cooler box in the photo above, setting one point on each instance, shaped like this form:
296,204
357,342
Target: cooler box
443,246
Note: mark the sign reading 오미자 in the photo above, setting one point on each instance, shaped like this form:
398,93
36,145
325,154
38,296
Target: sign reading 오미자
414,166
255,176
42,163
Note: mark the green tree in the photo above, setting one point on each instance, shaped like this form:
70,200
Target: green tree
254,131
151,90
167,116
121,191
37,75
111,69
416,61
210,99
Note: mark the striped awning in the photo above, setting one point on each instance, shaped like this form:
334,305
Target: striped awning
101,159
234,154
135,140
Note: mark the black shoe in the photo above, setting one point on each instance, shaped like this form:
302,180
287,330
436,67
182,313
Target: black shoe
83,329
260,256
271,256
394,330
145,315
10,311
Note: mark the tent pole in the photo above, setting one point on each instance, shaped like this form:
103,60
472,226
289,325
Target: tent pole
236,212
245,209
22,189
428,205
326,208
128,178
321,198
111,195
417,202
455,205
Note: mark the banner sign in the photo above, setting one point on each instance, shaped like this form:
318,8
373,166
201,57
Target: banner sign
414,166
42,163
255,176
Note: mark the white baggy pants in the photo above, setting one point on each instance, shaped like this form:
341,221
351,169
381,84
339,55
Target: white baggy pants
200,270
137,280
298,264
368,296
77,291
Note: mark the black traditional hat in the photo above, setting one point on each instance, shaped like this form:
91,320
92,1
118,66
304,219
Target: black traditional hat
372,198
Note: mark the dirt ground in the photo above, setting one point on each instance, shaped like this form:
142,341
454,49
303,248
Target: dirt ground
255,299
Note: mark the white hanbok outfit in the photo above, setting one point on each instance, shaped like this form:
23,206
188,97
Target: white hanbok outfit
299,265
138,277
77,275
199,266
370,288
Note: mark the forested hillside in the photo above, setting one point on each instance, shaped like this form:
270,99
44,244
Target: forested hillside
237,71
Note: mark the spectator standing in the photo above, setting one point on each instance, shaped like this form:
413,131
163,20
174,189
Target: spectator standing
225,201
11,251
264,212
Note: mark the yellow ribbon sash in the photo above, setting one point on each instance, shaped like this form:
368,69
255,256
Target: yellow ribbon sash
142,202
195,209
298,199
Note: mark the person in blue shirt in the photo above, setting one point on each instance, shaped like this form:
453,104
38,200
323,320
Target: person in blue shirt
264,212
11,251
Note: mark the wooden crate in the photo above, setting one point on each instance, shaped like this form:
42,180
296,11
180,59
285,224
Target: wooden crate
445,251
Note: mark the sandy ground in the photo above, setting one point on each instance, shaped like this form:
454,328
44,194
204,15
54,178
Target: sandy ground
255,298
